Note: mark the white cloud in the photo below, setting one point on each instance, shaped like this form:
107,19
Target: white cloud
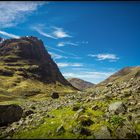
13,12
111,57
69,64
8,34
56,56
60,44
60,33
39,28
91,76
50,32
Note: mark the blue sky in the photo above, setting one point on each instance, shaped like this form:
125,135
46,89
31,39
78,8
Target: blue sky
87,40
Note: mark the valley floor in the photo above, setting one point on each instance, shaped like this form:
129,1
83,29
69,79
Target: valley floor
81,115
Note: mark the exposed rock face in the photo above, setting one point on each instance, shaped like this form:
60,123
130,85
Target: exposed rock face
32,51
79,83
10,114
28,68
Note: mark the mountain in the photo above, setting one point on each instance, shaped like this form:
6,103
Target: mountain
80,84
123,84
109,110
124,74
26,68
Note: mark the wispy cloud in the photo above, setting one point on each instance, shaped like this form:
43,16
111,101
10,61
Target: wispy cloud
110,57
91,76
39,28
61,44
14,12
66,53
8,34
84,42
51,32
57,56
69,43
69,64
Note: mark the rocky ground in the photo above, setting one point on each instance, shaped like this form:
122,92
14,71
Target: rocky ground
113,112
36,101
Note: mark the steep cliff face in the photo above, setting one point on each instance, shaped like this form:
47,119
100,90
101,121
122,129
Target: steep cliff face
27,59
31,52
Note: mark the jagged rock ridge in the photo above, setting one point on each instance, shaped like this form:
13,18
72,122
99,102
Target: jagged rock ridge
31,50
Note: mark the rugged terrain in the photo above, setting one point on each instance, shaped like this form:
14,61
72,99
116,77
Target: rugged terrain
27,69
80,84
110,109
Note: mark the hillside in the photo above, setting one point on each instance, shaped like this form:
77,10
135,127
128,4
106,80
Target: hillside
80,84
26,69
124,76
109,110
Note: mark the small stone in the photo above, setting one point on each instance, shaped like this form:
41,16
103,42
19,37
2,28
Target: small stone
33,107
27,113
60,129
109,84
95,107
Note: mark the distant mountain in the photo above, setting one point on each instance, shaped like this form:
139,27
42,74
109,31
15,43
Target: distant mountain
124,74
80,84
26,68
127,75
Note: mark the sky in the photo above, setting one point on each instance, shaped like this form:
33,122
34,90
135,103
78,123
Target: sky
88,40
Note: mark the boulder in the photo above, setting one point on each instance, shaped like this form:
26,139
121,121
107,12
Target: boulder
117,107
102,133
55,95
125,132
85,131
86,122
10,114
82,131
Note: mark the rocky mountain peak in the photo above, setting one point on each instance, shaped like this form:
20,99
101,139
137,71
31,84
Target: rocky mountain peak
28,57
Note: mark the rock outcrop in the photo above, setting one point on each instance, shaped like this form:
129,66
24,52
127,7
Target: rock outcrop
32,52
28,68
